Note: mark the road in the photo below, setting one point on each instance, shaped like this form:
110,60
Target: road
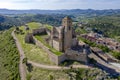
22,69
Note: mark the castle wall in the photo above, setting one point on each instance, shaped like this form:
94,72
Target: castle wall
54,58
75,55
61,58
68,55
62,40
56,45
74,42
39,31
48,32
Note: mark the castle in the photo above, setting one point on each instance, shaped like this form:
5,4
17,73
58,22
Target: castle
63,39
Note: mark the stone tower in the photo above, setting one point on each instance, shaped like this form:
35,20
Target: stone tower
67,24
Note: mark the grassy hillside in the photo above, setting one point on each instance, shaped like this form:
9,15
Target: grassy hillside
9,57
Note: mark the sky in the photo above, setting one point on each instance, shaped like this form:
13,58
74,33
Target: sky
60,4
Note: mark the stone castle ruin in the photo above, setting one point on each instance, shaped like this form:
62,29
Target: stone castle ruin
63,39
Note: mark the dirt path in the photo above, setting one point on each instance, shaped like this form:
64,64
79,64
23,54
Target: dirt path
55,67
22,70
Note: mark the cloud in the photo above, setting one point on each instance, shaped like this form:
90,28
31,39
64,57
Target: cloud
59,4
21,1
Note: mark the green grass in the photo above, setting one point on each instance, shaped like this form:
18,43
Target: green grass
31,25
43,74
9,57
48,26
47,45
33,52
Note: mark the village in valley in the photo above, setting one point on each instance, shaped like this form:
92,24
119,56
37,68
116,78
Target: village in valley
61,47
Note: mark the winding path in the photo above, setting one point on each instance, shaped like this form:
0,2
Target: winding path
22,69
55,67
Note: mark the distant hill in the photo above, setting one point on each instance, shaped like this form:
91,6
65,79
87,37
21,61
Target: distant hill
78,12
7,22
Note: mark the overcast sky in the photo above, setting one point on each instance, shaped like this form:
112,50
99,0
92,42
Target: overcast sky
60,4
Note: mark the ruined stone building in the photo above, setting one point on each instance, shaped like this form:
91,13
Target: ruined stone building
63,37
29,38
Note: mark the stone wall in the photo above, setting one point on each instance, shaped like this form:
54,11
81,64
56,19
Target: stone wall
75,55
48,31
61,58
68,55
54,58
74,42
39,31
29,38
56,45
